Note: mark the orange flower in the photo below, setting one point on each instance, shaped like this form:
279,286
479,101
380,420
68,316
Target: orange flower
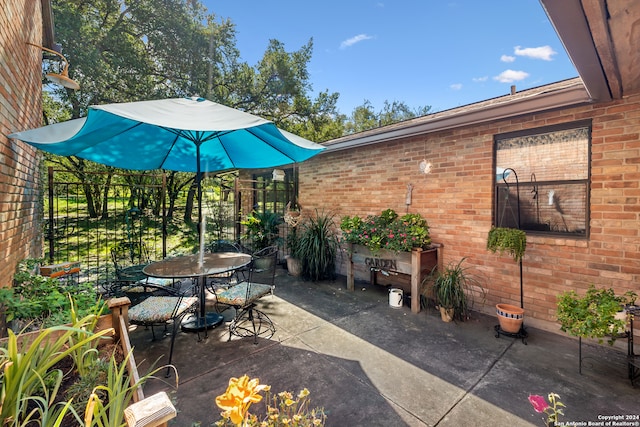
240,394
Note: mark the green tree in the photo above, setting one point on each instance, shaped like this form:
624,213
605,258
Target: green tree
364,117
122,51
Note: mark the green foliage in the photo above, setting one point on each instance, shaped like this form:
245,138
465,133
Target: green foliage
44,301
79,393
510,240
117,395
592,315
387,231
318,246
262,228
30,382
454,287
293,242
84,356
28,373
364,117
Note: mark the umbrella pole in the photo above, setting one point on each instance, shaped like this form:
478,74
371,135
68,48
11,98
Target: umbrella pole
204,320
199,190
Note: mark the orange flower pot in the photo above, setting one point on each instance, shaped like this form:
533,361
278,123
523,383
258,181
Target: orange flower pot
510,317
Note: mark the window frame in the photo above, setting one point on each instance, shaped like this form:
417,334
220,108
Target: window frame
526,187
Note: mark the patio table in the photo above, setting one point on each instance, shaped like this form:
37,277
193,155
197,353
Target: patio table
182,267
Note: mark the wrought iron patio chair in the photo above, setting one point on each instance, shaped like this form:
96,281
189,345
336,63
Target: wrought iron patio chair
224,246
248,320
216,282
129,258
163,306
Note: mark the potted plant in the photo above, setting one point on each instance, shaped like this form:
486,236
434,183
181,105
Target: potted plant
293,219
594,315
509,240
514,242
317,247
453,289
261,228
294,264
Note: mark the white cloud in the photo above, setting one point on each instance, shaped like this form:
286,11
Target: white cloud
507,58
456,86
480,79
543,52
510,76
353,40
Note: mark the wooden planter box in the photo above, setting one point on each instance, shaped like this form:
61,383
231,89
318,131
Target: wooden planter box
25,339
155,410
406,269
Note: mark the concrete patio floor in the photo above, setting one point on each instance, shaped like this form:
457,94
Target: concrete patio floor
368,364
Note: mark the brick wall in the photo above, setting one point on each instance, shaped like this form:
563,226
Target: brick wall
456,198
20,108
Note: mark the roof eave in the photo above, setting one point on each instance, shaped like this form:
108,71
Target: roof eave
571,25
571,95
48,35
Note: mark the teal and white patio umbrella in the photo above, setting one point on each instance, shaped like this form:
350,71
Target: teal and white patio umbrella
183,134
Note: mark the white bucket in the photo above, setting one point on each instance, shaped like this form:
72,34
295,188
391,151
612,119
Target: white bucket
395,298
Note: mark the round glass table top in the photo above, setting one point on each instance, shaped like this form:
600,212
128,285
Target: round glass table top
189,265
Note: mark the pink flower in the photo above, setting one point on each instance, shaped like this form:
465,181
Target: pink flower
538,402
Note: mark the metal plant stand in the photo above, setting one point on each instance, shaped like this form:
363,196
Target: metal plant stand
522,333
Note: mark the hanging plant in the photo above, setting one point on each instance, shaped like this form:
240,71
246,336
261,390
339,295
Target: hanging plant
510,240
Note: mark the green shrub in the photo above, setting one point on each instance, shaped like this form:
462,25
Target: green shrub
41,301
317,247
593,315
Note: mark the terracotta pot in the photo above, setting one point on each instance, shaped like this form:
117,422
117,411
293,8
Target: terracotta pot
510,317
294,266
446,314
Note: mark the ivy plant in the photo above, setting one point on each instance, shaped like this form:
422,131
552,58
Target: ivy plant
509,240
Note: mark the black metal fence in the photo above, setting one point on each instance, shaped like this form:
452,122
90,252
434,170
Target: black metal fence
83,221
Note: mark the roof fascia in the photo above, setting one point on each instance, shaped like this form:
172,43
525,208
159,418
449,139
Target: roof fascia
48,36
570,96
571,25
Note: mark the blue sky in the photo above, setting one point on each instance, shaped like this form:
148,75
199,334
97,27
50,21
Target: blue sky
423,52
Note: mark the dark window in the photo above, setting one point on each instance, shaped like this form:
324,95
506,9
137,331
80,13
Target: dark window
273,196
542,180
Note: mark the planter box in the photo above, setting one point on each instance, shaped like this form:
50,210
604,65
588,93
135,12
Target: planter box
409,267
25,339
59,270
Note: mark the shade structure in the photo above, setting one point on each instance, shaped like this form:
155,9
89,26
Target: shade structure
172,134
183,134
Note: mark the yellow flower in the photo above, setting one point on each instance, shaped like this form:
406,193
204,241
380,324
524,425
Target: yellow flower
240,394
285,395
289,402
303,393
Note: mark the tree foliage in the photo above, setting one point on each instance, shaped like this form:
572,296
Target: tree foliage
364,117
132,50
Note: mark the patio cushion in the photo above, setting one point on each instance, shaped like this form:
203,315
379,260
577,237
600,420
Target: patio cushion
139,285
160,309
237,295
